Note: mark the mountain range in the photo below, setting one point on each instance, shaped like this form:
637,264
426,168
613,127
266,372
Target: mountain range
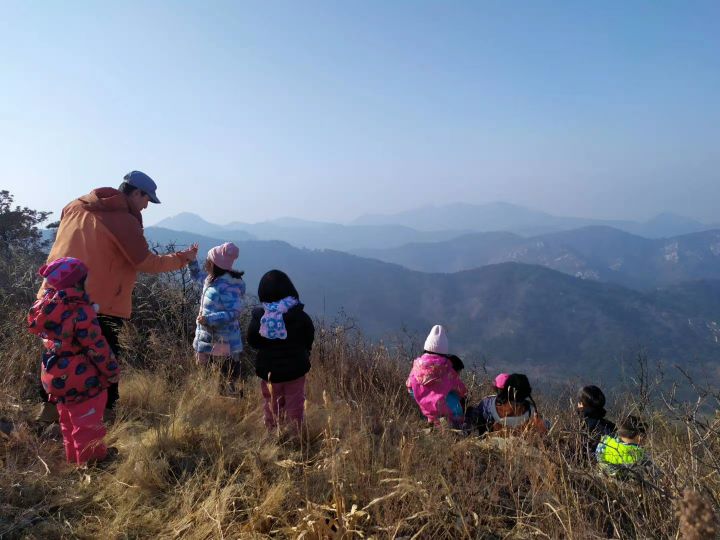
596,253
515,316
309,234
428,224
500,216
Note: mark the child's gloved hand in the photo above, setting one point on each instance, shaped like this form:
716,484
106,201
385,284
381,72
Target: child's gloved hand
202,320
189,254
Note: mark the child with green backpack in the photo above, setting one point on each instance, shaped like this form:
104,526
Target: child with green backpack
623,456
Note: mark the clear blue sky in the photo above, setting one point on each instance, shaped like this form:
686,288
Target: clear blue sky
327,110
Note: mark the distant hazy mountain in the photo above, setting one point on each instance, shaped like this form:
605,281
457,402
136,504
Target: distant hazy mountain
187,221
516,315
309,234
517,219
597,253
182,239
668,224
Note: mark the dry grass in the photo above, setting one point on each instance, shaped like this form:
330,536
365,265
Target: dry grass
195,464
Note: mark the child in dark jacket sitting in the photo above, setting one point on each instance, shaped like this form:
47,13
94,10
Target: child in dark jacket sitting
283,335
591,408
77,365
512,409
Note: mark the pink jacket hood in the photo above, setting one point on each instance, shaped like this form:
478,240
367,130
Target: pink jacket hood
431,379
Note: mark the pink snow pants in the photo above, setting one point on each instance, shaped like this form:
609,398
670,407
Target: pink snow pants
83,430
283,402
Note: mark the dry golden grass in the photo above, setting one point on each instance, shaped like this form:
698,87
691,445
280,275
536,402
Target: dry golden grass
195,464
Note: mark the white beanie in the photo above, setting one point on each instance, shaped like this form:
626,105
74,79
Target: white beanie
437,341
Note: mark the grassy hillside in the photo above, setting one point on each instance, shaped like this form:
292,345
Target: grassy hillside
195,464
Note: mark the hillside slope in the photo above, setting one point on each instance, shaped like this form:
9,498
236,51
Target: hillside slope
598,253
508,313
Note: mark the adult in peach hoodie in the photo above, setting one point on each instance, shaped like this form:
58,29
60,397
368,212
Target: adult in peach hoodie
104,229
434,381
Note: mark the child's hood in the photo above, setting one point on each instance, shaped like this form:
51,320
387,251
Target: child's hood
430,368
47,309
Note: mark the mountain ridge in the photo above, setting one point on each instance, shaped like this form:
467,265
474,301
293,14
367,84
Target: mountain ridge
427,224
526,315
308,234
502,216
596,252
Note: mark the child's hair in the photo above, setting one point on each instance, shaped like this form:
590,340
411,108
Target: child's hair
276,285
592,398
214,271
631,427
517,389
457,364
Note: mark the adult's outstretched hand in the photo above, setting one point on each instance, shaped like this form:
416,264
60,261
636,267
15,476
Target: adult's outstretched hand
189,254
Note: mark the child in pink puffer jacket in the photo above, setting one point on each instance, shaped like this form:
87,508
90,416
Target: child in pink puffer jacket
434,381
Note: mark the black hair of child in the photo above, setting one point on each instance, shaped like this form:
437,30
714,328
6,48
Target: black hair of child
517,390
276,285
592,399
631,427
215,272
457,364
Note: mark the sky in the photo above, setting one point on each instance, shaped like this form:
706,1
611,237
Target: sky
246,111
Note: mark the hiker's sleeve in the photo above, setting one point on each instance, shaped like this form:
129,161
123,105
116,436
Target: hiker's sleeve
196,273
129,238
600,451
90,337
460,387
220,317
254,339
539,425
309,333
157,264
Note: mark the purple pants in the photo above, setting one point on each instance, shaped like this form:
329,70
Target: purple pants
283,402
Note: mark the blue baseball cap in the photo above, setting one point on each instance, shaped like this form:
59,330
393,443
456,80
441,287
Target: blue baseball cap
143,182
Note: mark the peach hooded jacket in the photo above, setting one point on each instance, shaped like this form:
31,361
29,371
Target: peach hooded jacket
101,230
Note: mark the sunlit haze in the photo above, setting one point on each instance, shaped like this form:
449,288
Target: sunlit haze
328,110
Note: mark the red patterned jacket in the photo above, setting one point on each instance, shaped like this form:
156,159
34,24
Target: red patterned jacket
77,363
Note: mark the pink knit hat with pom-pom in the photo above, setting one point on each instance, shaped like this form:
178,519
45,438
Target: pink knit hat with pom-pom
224,256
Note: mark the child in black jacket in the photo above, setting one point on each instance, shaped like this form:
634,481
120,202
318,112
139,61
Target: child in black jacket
283,335
591,408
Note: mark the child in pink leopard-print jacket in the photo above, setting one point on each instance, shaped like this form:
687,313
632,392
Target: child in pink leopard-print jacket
434,381
77,365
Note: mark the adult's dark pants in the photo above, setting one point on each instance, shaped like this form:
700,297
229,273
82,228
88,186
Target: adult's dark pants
110,327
